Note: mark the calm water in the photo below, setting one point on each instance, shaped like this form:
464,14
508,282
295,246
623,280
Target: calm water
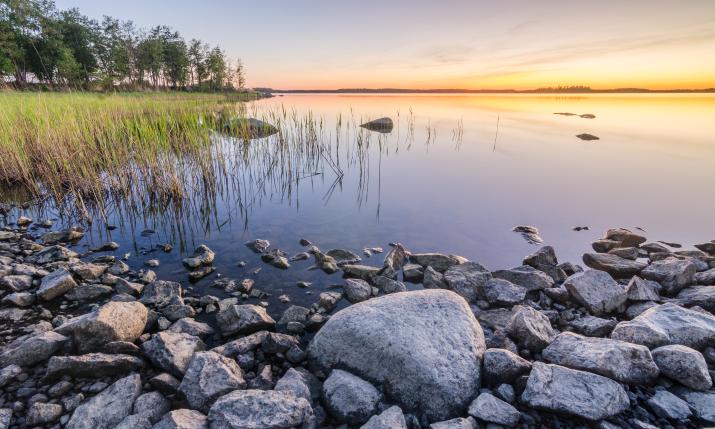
455,175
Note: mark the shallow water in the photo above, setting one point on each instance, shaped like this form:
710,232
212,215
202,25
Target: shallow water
455,175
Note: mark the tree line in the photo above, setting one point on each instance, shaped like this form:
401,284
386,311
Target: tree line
40,45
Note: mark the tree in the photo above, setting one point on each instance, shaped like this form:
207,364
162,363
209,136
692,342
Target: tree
216,65
240,75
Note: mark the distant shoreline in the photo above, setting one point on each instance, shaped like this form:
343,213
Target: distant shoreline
486,91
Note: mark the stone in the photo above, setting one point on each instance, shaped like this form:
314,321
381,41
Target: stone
413,273
19,299
639,289
433,279
183,419
388,285
668,324
357,290
544,256
8,373
202,256
706,278
613,264
426,345
489,408
350,399
114,321
109,407
244,319
41,413
592,326
618,360
242,345
701,296
88,271
684,365
672,274
161,293
55,284
343,256
51,254
702,404
625,252
92,365
364,272
638,308
172,351
467,279
151,406
328,300
527,277
191,326
625,237
130,288
603,245
134,422
708,247
530,328
209,376
165,383
258,245
503,366
458,423
503,292
88,292
66,235
261,409
294,382
16,283
583,394
391,418
668,406
437,261
33,350
596,291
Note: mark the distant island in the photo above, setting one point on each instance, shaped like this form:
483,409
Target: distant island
548,90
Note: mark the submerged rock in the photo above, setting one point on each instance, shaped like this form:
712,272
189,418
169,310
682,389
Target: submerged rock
381,125
250,128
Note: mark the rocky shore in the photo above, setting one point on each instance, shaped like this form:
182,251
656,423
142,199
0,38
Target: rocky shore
428,340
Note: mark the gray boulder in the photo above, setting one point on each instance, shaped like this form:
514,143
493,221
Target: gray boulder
357,290
618,360
684,365
613,264
592,326
491,409
639,289
503,292
391,418
114,321
33,350
527,277
702,296
190,326
109,407
172,351
467,279
209,376
530,328
579,393
387,285
92,365
294,382
161,293
596,291
673,274
668,406
55,284
706,278
261,409
151,406
134,422
16,283
433,279
503,366
426,345
183,419
437,261
701,403
244,319
349,398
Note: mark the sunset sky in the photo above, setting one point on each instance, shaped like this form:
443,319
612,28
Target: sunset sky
520,44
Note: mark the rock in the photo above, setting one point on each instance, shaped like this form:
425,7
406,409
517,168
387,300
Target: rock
244,319
8,373
468,280
625,237
258,245
642,290
209,376
200,273
55,284
277,258
151,406
165,383
527,277
92,365
684,365
16,283
530,328
51,254
109,407
612,264
88,271
357,290
5,414
391,418
35,349
261,409
161,293
381,125
618,360
263,380
668,406
426,345
708,247
191,326
296,383
88,292
343,257
412,273
529,233
503,292
387,285
592,326
544,256
364,272
636,309
489,408
326,263
134,422
328,300
349,398
171,351
503,366
41,413
458,423
701,296
202,256
114,321
596,291
668,324
130,288
654,248
702,404
603,246
433,279
242,345
437,261
19,299
705,278
625,252
582,394
672,274
183,419
118,268
249,128
67,235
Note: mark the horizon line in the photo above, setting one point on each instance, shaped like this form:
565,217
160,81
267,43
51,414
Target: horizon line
566,90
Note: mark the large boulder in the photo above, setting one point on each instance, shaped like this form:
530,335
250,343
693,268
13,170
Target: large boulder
673,274
579,393
349,398
425,346
172,351
209,376
261,409
596,291
668,324
683,364
613,264
619,360
109,407
114,321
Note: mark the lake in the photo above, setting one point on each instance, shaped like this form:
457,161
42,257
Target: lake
456,174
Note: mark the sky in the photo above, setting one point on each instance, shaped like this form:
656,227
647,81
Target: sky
471,44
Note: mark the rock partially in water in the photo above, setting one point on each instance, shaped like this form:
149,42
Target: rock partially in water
587,116
343,256
381,125
587,137
258,245
202,256
64,236
250,128
529,233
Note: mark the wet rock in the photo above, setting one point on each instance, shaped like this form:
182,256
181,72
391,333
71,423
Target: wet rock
672,274
396,258
41,413
467,279
654,248
118,268
503,292
592,326
530,328
88,271
172,351
63,236
200,273
357,290
151,406
603,245
35,349
438,261
639,289
612,264
183,419
114,321
503,366
328,300
668,324
261,409
326,263
433,279
202,256
618,360
625,237
391,418
684,365
529,233
702,296
489,408
258,245
55,284
244,319
527,277
209,376
277,258
92,365
412,273
426,345
668,406
109,407
596,291
51,254
349,398
579,393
